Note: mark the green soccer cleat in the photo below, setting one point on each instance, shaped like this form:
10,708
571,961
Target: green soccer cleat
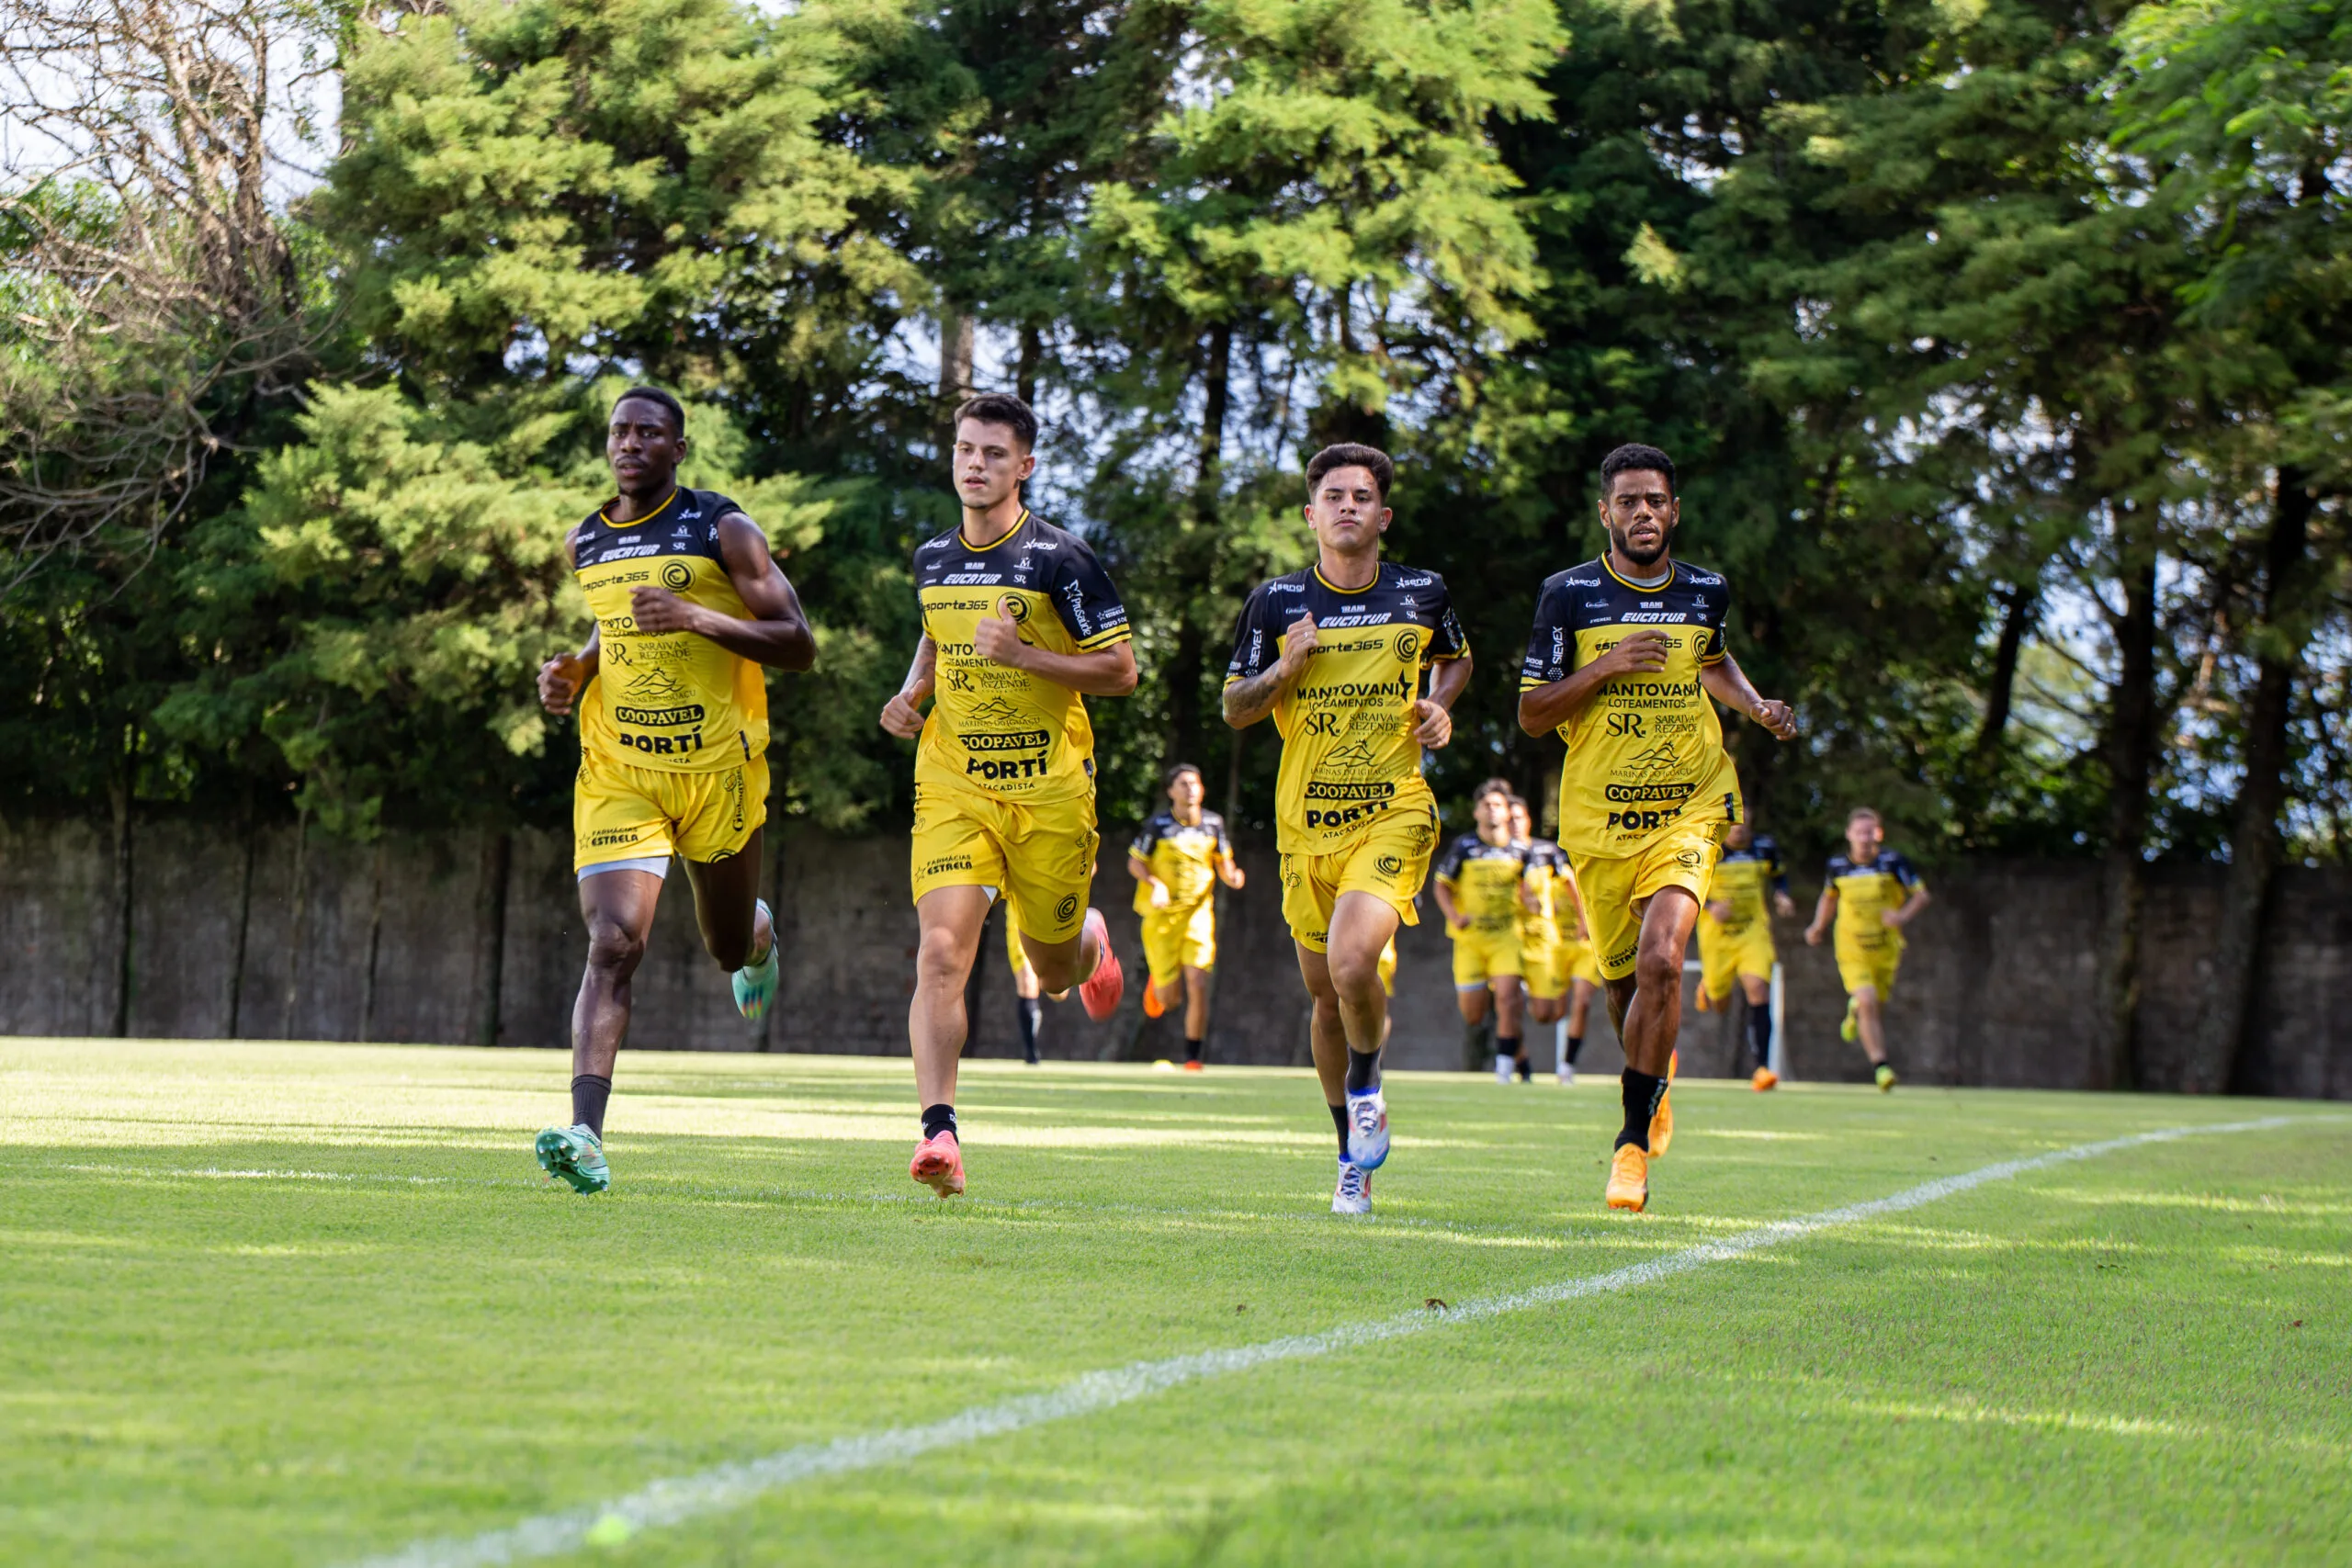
755,982
1884,1077
1852,1030
575,1156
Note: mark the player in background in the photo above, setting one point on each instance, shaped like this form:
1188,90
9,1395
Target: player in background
1626,662
1335,654
1020,625
1177,860
1477,892
673,737
1546,890
1873,893
1735,937
1028,996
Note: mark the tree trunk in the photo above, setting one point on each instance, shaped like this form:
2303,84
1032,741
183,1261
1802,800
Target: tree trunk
2279,641
2018,604
252,838
489,924
2131,750
126,972
1025,370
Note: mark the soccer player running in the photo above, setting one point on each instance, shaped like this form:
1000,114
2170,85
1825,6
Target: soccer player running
1627,650
673,736
1335,654
1177,860
1735,937
1020,624
1545,952
1873,893
1477,892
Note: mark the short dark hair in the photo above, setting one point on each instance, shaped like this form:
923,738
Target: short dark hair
1634,458
1179,771
1861,811
1352,454
656,395
1494,786
1002,408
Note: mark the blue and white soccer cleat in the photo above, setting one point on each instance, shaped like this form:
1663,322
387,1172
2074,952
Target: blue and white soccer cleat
755,982
575,1156
1353,1195
1367,1130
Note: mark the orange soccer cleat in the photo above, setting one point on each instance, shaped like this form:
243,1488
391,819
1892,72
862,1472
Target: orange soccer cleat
939,1164
1101,991
1629,1179
1762,1080
1152,1006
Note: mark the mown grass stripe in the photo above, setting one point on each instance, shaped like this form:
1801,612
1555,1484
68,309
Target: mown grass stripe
679,1498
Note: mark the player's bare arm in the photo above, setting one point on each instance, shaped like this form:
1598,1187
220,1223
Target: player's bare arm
902,714
1141,870
1229,873
1433,715
1823,913
1896,920
1454,918
1105,673
1248,701
564,677
1729,685
1545,708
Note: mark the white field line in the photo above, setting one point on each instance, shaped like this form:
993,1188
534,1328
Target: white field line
721,1487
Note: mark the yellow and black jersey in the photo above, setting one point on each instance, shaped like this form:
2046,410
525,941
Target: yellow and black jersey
1347,726
999,730
1866,891
1547,877
1745,878
1183,856
1645,754
1484,878
677,701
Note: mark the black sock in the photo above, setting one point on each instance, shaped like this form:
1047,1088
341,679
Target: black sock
1364,1071
938,1119
1759,1033
1642,1092
1339,1120
1509,1047
1575,1044
1032,1013
1191,1050
589,1093
1526,1068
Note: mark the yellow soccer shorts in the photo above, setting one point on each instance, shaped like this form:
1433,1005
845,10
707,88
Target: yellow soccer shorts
1724,955
1388,968
1872,966
1388,858
1617,889
1543,966
620,811
1040,856
1480,956
1178,939
1014,954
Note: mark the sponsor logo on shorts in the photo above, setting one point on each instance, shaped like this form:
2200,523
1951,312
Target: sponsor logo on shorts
1624,956
1689,859
947,863
1067,910
1390,866
677,575
604,838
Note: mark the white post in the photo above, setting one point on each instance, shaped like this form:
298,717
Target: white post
1560,1047
1780,1024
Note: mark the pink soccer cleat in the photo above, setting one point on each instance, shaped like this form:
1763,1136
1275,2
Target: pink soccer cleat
1101,991
939,1164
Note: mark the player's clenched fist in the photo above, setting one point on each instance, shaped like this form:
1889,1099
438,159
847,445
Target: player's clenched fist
903,716
1642,653
1432,725
1298,641
561,679
998,638
1777,716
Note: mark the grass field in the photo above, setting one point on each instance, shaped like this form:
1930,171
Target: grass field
312,1304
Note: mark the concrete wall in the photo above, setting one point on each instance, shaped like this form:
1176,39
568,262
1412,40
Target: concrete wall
471,937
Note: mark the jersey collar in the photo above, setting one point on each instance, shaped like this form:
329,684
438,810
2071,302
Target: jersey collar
675,492
1317,570
1640,587
995,542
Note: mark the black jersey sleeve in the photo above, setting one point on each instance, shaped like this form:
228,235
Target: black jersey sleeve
1084,598
1550,647
1776,871
1254,635
1449,865
1713,648
1447,639
1216,824
1898,866
1146,838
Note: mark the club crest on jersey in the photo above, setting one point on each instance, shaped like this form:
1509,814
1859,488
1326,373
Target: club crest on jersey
677,575
1408,643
